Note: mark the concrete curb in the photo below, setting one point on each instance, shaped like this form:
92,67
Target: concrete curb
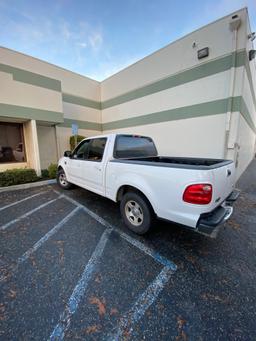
29,185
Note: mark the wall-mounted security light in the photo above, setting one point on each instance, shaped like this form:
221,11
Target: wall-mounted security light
252,36
252,54
234,23
203,53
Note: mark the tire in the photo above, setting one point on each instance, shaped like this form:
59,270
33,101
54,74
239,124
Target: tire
62,180
136,212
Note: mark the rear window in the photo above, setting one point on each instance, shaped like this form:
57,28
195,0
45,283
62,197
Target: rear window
127,146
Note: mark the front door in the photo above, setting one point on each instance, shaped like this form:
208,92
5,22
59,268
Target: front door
75,164
94,165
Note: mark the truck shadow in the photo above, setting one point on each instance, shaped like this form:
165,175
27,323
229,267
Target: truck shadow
164,237
196,256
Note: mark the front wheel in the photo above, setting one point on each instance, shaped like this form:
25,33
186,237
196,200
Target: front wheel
62,180
136,212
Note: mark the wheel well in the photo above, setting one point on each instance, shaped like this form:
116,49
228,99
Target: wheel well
126,188
59,168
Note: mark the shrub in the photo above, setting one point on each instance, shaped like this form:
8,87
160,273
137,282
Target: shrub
17,176
44,173
72,141
52,170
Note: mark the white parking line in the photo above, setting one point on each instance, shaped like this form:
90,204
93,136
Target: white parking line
19,201
3,227
147,298
79,290
49,234
40,242
152,253
155,255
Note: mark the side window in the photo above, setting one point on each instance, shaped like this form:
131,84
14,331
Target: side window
96,149
81,150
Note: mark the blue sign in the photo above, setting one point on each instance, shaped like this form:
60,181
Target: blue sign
74,129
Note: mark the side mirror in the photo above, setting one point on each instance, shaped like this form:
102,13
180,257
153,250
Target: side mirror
67,153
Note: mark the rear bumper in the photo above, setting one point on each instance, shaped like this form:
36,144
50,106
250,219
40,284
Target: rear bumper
208,223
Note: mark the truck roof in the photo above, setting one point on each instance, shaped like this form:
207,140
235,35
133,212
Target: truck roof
114,135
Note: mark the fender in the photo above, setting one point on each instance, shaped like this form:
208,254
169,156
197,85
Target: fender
61,164
136,181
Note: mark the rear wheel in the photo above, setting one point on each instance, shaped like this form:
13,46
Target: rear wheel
62,180
136,212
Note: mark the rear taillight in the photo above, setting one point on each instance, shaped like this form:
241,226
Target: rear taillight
200,194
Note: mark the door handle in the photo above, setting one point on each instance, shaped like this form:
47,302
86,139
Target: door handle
98,168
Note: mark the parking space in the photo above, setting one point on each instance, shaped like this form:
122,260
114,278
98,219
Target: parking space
70,270
55,254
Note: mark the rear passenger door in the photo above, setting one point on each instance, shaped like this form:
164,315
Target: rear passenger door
92,168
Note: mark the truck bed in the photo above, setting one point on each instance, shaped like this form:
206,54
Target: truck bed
176,162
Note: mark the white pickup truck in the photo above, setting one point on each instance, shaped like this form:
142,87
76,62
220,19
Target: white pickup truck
194,192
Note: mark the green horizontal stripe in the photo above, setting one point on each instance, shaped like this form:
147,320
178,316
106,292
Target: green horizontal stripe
197,110
246,114
238,104
195,73
80,101
81,124
15,111
235,103
249,76
240,57
32,78
203,70
207,69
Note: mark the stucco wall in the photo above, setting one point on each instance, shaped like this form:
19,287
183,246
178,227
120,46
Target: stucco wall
33,89
180,101
246,136
189,137
177,56
174,97
246,140
70,82
47,145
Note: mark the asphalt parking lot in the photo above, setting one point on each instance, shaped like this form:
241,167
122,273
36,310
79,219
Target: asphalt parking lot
70,270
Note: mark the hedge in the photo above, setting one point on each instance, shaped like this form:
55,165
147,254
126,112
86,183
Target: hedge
52,170
17,176
72,141
44,174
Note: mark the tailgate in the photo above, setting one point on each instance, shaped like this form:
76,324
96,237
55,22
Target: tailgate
224,182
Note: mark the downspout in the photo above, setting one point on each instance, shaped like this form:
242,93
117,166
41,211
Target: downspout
234,26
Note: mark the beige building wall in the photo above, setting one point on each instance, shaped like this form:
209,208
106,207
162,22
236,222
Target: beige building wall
246,141
31,89
175,57
47,143
17,93
246,130
71,83
190,106
179,136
